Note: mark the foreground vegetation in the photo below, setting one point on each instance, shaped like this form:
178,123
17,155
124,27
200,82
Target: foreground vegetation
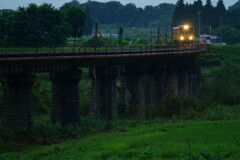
44,133
172,141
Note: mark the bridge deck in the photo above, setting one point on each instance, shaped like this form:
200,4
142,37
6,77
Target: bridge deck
20,60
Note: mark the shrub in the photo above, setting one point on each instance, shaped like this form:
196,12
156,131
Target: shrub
225,87
85,93
154,111
143,41
43,132
122,108
172,105
220,112
175,106
42,95
99,42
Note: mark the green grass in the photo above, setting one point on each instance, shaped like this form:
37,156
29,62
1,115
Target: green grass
156,141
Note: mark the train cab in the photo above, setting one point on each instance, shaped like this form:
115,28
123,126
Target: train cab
183,34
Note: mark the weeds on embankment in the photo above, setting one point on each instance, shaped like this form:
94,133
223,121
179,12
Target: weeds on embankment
185,140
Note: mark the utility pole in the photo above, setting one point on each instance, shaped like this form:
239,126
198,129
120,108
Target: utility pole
169,31
221,23
199,24
151,36
158,36
166,34
111,38
121,30
96,37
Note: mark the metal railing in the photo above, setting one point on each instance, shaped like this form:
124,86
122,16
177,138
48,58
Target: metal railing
9,52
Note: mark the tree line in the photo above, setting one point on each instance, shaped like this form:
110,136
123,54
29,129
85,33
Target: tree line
42,25
45,25
214,19
114,12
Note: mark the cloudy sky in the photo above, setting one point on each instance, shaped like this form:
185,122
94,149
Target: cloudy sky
13,4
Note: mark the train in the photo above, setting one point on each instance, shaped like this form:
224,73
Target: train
183,34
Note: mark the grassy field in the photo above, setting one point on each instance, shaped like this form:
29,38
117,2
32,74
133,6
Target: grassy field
219,140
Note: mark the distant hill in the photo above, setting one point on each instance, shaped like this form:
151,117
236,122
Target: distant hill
5,10
114,12
235,6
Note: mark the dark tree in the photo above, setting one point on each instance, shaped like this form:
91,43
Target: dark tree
76,18
220,9
130,10
230,35
197,6
5,18
88,23
179,15
208,4
114,12
235,6
219,13
233,18
69,4
208,13
35,26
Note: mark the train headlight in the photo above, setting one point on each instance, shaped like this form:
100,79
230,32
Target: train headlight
191,38
181,38
186,27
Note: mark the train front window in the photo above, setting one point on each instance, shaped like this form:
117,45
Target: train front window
186,31
183,31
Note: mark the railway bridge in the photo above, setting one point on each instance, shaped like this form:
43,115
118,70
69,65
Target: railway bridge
146,74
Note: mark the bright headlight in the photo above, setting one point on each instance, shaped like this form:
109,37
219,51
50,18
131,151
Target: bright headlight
191,37
182,38
186,27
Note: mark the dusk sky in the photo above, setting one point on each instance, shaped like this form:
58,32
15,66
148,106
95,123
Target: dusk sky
13,4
